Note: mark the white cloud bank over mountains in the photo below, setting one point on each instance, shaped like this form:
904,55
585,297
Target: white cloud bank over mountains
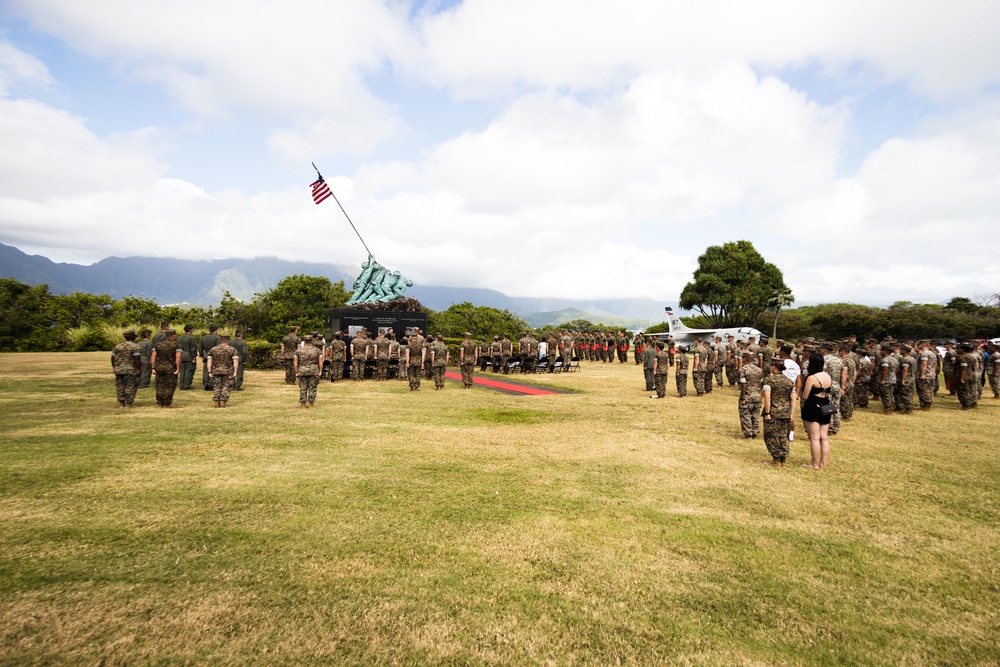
623,139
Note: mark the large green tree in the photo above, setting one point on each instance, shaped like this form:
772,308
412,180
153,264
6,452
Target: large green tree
298,299
732,285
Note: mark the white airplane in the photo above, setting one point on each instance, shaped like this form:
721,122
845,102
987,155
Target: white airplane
685,336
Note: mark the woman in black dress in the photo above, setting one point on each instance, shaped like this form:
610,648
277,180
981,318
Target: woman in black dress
816,394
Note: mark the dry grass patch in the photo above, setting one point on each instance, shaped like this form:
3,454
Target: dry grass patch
597,527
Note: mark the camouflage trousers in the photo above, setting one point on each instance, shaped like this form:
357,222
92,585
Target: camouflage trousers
413,375
125,387
437,372
382,369
307,388
834,394
358,369
682,384
847,402
222,385
567,357
503,364
467,374
904,396
709,372
699,381
289,370
968,392
776,437
731,374
428,369
336,371
885,393
718,374
660,383
166,385
750,418
861,394
925,390
994,384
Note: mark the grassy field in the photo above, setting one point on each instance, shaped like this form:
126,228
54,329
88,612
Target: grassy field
473,527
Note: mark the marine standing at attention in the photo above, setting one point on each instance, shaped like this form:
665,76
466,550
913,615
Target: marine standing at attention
289,344
751,377
126,361
381,357
222,361
336,354
661,366
166,361
681,361
467,357
779,399
439,360
307,363
648,366
414,360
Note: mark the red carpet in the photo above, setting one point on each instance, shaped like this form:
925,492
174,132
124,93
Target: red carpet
516,388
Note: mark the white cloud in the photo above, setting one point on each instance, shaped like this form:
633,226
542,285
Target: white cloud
20,68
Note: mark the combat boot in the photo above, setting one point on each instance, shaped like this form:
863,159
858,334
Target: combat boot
215,404
223,404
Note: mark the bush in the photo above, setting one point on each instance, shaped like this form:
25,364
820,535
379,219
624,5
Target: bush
263,355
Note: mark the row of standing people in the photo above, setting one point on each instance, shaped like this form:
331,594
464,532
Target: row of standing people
173,360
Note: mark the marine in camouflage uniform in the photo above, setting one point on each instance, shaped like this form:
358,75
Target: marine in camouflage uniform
966,382
778,398
993,369
495,354
289,344
505,352
637,346
414,360
467,359
359,356
145,349
847,395
980,366
751,377
381,357
308,366
698,355
336,356
566,349
166,360
833,366
126,361
732,355
862,383
927,367
948,367
889,366
907,381
439,360
660,369
222,361
719,359
709,366
681,375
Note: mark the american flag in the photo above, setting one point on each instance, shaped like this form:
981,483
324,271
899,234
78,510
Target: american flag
320,190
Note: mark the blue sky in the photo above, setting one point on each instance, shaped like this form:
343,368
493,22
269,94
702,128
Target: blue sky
538,148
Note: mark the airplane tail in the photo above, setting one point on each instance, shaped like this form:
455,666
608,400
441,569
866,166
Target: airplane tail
673,322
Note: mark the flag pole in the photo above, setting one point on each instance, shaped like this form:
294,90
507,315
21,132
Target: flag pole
320,177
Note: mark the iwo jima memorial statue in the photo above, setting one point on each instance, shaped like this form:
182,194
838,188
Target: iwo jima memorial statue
378,303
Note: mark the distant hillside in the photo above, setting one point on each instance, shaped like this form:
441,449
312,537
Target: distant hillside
170,281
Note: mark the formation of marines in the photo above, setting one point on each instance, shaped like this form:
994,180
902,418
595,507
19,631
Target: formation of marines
902,376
